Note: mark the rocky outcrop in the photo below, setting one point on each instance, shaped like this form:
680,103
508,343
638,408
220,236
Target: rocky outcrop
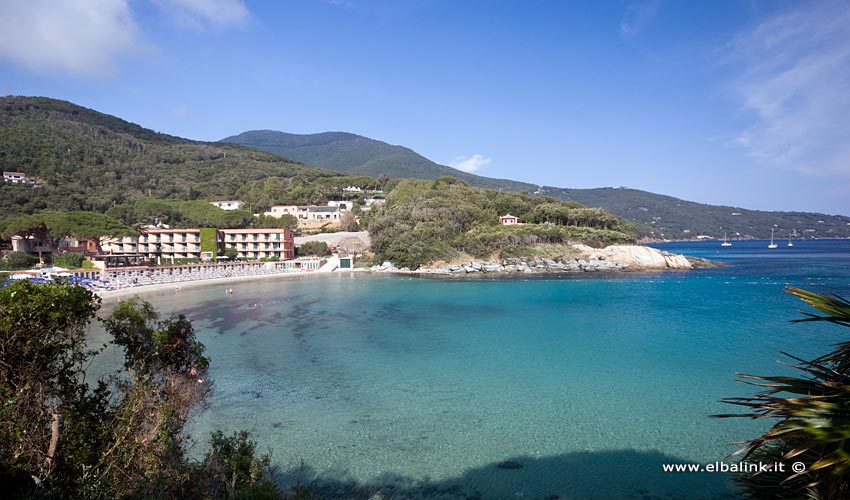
612,258
640,257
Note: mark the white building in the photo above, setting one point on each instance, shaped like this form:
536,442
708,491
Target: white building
17,178
343,205
228,204
309,216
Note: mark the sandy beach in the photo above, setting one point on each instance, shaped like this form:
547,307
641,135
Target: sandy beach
112,295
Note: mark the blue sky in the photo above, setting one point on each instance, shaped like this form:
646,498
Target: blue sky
727,102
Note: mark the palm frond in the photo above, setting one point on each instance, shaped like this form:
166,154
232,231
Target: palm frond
813,413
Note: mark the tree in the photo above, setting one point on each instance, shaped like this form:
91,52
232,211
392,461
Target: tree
122,437
165,379
285,221
349,222
51,227
813,418
70,260
317,248
19,260
231,466
43,355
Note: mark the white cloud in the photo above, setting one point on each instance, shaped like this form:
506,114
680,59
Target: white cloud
470,164
637,16
200,14
793,76
81,37
89,37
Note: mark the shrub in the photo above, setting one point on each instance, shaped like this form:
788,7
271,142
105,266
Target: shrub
69,260
118,438
317,248
19,260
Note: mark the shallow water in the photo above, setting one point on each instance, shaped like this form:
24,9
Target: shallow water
535,388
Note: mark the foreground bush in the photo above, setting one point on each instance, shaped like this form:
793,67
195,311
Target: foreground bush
18,260
122,437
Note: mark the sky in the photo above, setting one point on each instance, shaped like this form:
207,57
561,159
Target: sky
741,103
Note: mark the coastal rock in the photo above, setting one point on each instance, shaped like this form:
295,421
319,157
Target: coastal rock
675,261
638,257
608,259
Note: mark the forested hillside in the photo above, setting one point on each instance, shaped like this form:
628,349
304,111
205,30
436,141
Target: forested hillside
660,216
357,155
426,221
85,160
657,216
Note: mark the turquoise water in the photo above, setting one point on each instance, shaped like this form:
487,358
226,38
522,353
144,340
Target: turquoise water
522,388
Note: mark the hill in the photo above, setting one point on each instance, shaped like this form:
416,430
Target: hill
662,216
654,214
426,221
85,160
357,155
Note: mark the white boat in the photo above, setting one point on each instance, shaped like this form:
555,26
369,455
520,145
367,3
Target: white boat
790,244
726,242
772,244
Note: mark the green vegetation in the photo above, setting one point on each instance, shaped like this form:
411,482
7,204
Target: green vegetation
813,418
261,195
655,214
357,155
209,240
85,160
51,227
314,248
425,221
69,260
658,215
179,213
122,437
18,260
285,221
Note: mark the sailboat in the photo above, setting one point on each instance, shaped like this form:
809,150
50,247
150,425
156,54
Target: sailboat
772,244
725,241
789,239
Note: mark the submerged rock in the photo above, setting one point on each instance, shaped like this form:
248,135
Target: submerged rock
509,465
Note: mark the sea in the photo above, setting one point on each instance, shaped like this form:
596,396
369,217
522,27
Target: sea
583,386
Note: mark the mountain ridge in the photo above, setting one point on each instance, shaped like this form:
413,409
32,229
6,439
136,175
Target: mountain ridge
658,216
358,155
87,160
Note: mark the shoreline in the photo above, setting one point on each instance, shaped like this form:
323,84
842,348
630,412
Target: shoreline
107,295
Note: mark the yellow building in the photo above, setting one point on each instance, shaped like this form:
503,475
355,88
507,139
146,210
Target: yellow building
158,244
259,243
